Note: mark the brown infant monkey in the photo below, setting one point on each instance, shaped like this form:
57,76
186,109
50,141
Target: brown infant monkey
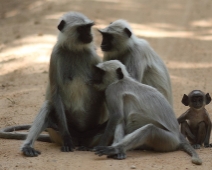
195,122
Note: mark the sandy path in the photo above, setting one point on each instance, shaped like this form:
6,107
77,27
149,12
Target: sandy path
180,31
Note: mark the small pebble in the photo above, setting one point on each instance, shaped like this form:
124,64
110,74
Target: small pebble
133,167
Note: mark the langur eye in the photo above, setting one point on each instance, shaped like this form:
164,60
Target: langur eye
194,100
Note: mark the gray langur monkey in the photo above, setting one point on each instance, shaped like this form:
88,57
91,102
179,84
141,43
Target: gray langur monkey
139,115
195,122
72,106
141,61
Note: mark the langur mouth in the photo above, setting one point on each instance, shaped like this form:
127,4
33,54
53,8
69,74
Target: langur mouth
197,107
87,40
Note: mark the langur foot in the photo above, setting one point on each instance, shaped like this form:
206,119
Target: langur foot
30,152
68,145
118,156
84,148
208,145
106,150
196,146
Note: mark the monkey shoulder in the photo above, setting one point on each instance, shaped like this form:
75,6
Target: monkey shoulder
114,89
145,47
206,115
143,42
123,87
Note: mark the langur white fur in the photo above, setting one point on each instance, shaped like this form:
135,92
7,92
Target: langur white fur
139,116
73,109
142,62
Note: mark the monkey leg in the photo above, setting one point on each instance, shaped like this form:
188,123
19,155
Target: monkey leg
91,138
201,133
118,136
119,133
149,135
197,140
87,144
185,130
40,124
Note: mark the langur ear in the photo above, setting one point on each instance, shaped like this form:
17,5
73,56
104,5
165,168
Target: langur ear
128,32
61,25
185,100
119,73
208,98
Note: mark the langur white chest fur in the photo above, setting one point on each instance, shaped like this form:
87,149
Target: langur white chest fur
77,93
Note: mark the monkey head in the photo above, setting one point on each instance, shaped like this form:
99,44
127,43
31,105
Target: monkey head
196,99
75,29
107,73
115,36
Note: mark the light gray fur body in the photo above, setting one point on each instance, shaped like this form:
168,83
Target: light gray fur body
141,61
72,104
139,117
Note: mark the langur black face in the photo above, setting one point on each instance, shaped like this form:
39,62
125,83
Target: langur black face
84,32
106,41
97,75
196,99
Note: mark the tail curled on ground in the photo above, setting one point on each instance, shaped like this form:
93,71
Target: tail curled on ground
185,146
10,132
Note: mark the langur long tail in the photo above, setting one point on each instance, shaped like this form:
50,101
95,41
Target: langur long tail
10,132
185,146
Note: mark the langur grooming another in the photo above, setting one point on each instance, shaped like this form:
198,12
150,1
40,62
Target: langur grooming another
141,61
139,115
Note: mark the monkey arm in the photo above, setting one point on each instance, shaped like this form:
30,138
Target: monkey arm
182,118
141,66
116,114
62,123
149,57
208,133
55,76
60,114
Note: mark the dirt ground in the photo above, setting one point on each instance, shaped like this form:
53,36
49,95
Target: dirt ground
179,31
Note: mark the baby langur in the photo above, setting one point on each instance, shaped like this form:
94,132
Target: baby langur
72,105
139,115
141,61
195,122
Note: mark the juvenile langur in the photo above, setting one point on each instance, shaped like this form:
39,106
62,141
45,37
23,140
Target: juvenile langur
72,105
195,122
139,115
141,61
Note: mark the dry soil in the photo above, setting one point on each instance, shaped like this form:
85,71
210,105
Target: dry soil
179,31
